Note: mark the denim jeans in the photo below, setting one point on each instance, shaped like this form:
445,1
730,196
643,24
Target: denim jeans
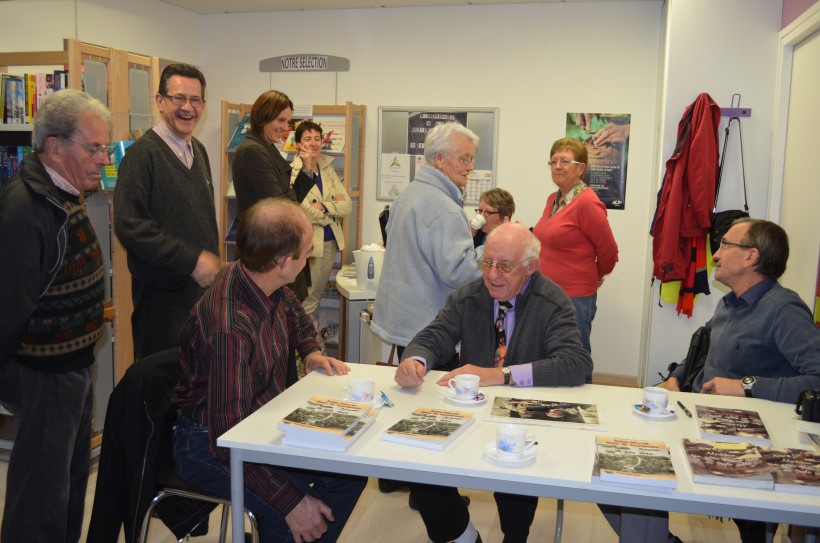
196,466
585,308
49,464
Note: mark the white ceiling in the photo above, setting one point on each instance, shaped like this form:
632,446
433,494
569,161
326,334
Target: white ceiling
248,6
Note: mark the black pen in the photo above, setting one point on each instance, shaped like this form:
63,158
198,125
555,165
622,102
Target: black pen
688,413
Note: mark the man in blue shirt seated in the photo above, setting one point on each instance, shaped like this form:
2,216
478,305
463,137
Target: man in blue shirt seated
764,344
541,347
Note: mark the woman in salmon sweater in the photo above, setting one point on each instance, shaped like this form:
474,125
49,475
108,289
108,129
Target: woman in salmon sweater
577,245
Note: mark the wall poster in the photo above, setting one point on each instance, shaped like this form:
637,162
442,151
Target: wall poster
606,137
402,131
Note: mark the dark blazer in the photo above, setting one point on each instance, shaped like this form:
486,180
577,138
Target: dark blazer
136,442
260,171
545,333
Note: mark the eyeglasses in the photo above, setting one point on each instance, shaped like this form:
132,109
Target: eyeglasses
95,150
466,160
724,244
486,212
564,162
502,267
179,100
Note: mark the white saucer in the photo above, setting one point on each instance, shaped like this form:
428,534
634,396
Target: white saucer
670,413
452,398
494,456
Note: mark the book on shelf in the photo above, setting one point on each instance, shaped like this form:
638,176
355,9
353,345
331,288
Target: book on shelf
323,419
14,99
729,464
289,139
336,443
240,131
634,461
329,324
731,425
108,181
231,237
546,413
333,133
430,428
794,470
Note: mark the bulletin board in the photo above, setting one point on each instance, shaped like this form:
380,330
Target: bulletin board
401,136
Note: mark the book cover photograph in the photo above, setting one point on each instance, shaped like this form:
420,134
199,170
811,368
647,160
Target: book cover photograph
794,470
429,428
636,461
730,464
731,425
321,415
546,413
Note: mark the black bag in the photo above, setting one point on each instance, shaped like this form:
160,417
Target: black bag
695,357
722,221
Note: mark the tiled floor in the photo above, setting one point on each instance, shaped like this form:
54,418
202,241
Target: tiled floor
386,517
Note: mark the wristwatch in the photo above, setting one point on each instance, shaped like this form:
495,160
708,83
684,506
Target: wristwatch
507,375
748,382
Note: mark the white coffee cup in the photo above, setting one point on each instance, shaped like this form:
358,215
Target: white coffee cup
359,390
513,439
478,221
655,399
465,385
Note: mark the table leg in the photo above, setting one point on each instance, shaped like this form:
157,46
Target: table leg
237,496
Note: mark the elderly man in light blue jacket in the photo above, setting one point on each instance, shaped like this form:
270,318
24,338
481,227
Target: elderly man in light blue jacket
429,244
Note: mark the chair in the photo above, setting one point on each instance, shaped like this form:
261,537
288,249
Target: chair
136,462
171,485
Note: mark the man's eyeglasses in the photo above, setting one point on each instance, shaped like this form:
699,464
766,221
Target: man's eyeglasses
466,160
95,150
724,244
564,162
503,267
486,212
178,100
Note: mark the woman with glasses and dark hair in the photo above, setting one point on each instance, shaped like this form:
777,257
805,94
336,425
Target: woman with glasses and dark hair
577,246
495,207
259,169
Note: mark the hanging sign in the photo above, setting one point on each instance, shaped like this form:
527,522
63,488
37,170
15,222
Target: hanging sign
304,63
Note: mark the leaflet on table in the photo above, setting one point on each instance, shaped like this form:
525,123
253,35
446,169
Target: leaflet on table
547,413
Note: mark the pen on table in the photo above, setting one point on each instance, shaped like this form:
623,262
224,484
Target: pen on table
688,413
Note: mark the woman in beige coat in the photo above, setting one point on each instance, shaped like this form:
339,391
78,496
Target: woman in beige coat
326,204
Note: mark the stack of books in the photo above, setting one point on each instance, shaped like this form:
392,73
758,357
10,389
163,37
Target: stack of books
430,428
634,463
327,423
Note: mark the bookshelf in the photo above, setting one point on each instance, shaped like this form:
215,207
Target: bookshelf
349,164
117,64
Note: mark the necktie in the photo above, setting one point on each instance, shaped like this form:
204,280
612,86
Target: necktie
500,334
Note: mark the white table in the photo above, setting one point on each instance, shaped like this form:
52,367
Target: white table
564,459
